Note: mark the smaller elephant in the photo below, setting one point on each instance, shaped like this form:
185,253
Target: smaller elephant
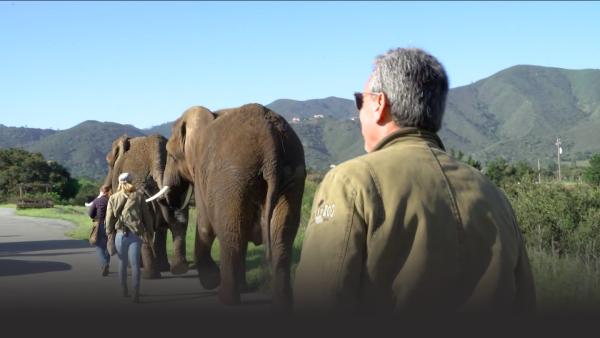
145,159
248,170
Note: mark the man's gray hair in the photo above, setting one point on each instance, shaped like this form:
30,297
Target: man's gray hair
415,84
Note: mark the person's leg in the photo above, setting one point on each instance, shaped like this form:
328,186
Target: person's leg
134,258
101,250
122,245
101,256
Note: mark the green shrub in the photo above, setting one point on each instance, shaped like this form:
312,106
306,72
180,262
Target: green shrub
87,191
558,218
592,173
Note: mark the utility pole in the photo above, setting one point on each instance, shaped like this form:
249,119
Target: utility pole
558,152
539,172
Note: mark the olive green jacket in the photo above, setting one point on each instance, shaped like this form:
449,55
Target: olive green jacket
137,215
408,228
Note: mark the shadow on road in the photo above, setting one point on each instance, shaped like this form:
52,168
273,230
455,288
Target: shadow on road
175,297
12,267
256,302
19,255
59,244
180,276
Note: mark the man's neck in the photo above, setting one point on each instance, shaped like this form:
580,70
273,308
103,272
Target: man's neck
385,130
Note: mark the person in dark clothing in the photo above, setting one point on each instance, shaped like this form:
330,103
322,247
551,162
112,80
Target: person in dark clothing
97,211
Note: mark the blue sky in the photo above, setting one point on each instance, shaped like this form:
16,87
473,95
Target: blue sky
144,63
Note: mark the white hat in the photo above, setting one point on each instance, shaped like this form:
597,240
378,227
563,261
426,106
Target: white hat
124,177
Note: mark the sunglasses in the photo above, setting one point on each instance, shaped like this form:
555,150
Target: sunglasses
358,98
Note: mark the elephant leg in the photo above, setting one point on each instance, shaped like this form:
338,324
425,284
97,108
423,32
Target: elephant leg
180,264
243,282
231,266
160,248
150,270
208,270
284,226
235,221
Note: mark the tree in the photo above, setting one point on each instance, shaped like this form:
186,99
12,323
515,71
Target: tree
461,157
592,173
498,170
523,170
501,172
19,166
88,189
474,163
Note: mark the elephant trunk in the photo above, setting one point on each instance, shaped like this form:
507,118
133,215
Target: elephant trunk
108,180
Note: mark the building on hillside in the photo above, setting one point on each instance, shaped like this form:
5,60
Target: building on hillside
295,120
318,116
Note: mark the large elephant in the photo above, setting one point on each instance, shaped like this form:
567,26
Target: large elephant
145,158
248,170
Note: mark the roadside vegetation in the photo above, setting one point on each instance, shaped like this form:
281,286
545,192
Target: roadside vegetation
560,222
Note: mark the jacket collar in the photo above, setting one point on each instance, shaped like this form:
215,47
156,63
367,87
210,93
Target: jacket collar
412,133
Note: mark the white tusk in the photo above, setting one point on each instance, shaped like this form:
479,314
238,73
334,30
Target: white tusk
158,194
88,204
188,196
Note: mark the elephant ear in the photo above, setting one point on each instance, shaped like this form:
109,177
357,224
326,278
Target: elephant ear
183,133
188,127
120,146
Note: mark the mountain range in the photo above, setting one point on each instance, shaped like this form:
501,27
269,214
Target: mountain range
517,113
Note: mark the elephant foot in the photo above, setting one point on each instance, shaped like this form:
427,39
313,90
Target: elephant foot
245,288
163,266
229,298
150,274
282,297
210,278
282,306
179,268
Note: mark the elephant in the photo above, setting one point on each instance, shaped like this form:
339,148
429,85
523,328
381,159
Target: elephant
145,159
248,170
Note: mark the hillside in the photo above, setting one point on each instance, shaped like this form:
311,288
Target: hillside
162,129
516,113
329,141
333,107
83,148
519,112
17,136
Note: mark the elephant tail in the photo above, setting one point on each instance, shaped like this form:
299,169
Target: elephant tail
271,202
273,170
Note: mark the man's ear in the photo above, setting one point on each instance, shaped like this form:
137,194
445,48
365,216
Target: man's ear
381,110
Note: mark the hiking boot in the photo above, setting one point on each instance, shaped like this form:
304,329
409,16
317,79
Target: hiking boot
136,296
105,270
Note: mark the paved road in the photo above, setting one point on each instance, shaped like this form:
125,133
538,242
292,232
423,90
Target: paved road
43,270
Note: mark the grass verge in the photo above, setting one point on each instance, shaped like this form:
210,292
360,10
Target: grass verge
563,284
257,274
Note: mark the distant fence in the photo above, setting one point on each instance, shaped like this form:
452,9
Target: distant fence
25,202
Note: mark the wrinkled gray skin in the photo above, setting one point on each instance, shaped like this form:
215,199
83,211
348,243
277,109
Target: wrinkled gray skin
145,158
248,170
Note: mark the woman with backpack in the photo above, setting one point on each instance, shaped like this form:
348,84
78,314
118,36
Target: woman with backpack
129,215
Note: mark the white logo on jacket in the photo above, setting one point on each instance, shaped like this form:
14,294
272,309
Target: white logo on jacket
324,213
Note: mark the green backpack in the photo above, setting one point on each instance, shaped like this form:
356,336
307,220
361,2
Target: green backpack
131,214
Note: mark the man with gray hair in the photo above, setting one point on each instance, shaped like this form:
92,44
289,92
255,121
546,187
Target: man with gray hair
406,228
